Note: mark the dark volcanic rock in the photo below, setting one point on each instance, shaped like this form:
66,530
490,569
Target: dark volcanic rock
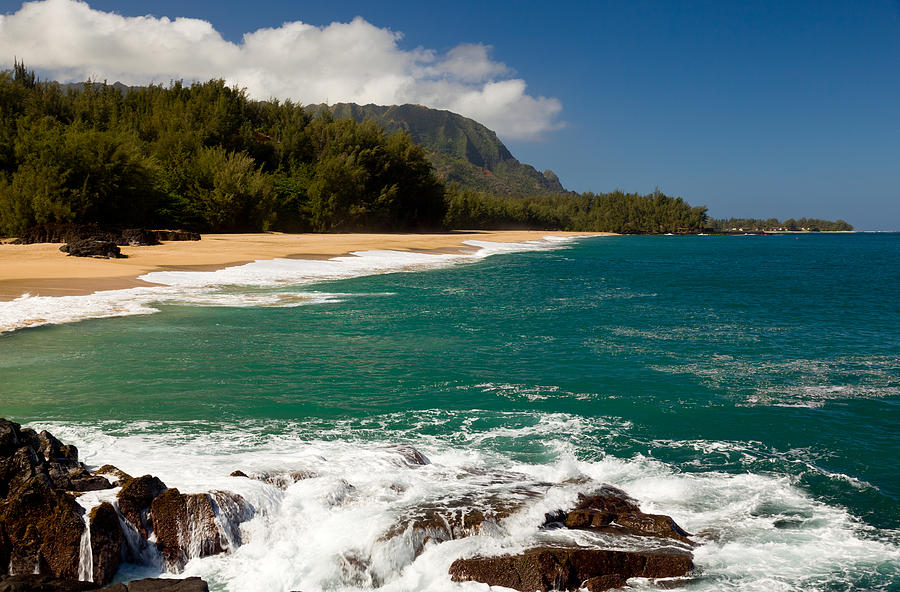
409,455
41,526
107,539
611,510
90,247
177,235
63,233
38,583
135,499
186,527
138,237
121,477
550,568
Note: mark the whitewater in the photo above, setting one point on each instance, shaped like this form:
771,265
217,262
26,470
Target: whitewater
746,387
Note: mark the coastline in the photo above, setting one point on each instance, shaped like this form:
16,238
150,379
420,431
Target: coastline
42,270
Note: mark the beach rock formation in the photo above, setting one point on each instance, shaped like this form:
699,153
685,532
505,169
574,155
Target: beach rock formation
71,232
91,247
551,568
42,583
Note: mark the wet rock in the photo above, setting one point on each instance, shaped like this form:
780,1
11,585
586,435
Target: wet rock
107,540
42,583
90,247
135,499
186,525
238,474
44,528
138,237
41,526
120,477
165,585
551,568
409,455
39,583
601,583
611,510
281,480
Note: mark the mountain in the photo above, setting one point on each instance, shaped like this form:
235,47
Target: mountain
460,149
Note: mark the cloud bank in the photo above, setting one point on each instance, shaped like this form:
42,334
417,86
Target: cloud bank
342,62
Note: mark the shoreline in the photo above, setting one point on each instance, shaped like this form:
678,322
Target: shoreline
43,270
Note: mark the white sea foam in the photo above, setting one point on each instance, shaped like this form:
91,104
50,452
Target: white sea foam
241,285
325,532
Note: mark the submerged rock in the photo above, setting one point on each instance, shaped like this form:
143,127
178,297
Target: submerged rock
550,568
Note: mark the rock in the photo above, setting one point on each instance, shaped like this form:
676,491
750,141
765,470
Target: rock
551,568
107,540
44,527
41,525
186,526
90,247
601,583
138,237
38,583
63,233
167,585
611,510
176,235
42,583
135,499
120,476
281,480
410,456
238,474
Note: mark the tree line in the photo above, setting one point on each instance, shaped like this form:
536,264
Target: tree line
205,157
759,224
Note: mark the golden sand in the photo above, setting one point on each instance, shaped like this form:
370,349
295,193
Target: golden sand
43,270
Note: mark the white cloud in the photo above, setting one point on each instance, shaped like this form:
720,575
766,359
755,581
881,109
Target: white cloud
342,62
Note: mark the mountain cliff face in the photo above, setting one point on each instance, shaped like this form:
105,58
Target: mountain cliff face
460,149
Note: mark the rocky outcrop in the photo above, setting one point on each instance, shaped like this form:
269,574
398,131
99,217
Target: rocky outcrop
39,583
71,232
610,510
135,499
41,525
549,568
107,540
90,247
186,525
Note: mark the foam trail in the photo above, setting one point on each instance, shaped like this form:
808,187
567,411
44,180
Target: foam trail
229,286
334,489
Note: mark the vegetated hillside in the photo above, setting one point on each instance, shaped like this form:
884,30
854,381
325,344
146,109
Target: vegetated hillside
460,149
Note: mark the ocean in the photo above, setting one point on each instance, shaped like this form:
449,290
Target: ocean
747,386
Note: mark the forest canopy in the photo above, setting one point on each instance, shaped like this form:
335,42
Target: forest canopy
204,157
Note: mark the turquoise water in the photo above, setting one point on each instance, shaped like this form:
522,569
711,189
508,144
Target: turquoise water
749,386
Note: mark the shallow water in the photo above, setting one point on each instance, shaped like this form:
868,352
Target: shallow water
747,386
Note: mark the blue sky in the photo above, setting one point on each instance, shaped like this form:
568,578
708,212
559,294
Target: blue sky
781,109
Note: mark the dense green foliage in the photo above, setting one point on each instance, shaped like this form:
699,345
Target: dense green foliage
461,150
202,157
755,224
627,213
206,158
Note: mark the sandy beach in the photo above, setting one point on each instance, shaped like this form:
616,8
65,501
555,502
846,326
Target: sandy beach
42,270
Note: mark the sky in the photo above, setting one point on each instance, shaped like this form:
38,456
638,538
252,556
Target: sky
753,109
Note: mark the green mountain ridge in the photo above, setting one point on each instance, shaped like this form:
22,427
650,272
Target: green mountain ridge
460,149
